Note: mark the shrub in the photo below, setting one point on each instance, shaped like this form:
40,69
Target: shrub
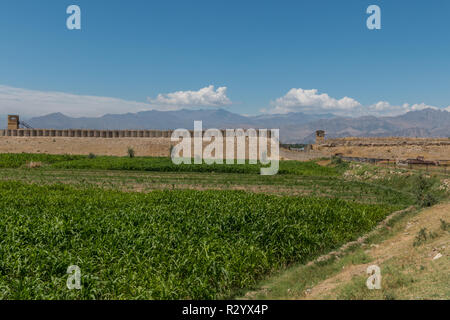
444,225
339,164
423,236
336,160
130,152
428,200
421,187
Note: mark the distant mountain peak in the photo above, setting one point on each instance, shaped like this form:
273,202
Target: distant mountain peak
295,127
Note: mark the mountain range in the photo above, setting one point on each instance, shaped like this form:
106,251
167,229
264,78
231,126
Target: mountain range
295,127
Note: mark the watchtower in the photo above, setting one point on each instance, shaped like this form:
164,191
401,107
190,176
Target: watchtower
320,136
13,122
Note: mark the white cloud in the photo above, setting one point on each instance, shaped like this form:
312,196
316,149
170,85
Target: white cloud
420,106
35,103
384,108
310,101
205,97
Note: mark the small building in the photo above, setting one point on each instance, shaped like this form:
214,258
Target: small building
13,122
320,136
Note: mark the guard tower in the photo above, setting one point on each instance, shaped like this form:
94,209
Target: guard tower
13,122
320,136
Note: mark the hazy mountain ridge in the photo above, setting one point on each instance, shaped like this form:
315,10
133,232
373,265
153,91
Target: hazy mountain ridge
294,127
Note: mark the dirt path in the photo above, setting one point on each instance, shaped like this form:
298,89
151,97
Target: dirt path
417,261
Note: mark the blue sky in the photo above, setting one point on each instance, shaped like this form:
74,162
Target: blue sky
263,55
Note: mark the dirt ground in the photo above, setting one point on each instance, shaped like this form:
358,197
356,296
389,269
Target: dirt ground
416,261
388,148
391,152
410,270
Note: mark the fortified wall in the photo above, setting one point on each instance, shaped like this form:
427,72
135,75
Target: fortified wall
155,143
85,133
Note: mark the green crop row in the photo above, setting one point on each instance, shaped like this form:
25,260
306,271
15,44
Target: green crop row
162,164
182,244
16,160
